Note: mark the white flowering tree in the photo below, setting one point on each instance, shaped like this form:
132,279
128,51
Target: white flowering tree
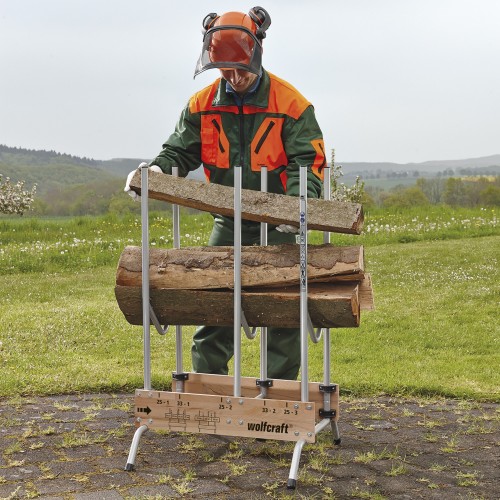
341,192
14,199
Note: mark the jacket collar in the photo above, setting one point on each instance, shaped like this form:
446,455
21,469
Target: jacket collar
260,98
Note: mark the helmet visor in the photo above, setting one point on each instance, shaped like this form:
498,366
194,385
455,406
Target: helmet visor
226,47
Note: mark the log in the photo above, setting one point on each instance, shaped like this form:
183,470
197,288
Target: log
366,298
330,306
322,215
213,267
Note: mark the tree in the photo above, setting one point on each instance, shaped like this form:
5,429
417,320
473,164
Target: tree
405,198
455,192
432,188
341,192
490,196
14,199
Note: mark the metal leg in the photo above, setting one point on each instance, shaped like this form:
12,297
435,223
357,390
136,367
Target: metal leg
297,451
134,446
336,433
294,467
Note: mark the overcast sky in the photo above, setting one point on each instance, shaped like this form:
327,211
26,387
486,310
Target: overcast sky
391,80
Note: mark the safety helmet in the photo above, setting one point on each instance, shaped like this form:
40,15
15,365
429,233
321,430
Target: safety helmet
233,40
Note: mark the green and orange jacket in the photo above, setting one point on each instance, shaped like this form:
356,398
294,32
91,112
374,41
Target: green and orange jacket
275,127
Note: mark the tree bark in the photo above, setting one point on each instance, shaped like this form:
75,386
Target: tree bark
322,215
213,267
330,306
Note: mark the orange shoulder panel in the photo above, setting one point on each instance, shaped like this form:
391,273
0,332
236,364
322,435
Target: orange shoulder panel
284,98
202,100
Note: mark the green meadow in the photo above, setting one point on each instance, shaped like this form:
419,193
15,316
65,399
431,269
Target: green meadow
435,330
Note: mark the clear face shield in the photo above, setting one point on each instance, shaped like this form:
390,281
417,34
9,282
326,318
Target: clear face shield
228,47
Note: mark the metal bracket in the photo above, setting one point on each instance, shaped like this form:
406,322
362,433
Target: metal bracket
327,413
328,388
264,383
180,376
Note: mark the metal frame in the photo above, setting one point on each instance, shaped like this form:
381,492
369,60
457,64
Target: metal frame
306,330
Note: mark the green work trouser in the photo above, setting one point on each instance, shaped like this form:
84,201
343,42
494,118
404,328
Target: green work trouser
213,346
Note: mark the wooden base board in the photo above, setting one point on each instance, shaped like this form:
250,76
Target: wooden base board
208,407
287,390
226,416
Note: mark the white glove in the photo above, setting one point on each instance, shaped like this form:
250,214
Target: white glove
287,228
133,194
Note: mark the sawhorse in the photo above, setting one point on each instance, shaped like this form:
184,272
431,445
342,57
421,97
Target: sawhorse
235,405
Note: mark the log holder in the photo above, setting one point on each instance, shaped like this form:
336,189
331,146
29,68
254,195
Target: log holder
209,419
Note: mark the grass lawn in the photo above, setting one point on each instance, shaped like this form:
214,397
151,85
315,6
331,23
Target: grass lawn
435,330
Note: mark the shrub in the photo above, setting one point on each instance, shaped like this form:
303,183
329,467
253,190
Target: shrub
14,199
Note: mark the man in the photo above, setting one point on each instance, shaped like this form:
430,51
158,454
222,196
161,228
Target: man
251,118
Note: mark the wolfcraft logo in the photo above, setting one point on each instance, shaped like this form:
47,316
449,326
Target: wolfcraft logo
265,427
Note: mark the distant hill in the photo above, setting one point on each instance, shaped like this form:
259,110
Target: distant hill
122,167
471,166
50,170
68,184
71,185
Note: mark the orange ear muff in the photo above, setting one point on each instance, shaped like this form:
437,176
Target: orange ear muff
208,21
262,19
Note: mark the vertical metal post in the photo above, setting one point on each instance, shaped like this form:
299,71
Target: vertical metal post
263,329
327,195
304,385
237,281
263,188
304,381
179,384
145,275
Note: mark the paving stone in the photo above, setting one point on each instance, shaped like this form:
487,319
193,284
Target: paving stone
99,495
45,454
19,473
58,485
64,468
154,472
367,425
111,480
13,490
152,490
207,487
83,452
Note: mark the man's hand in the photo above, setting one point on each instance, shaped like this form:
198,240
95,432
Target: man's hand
133,194
287,228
